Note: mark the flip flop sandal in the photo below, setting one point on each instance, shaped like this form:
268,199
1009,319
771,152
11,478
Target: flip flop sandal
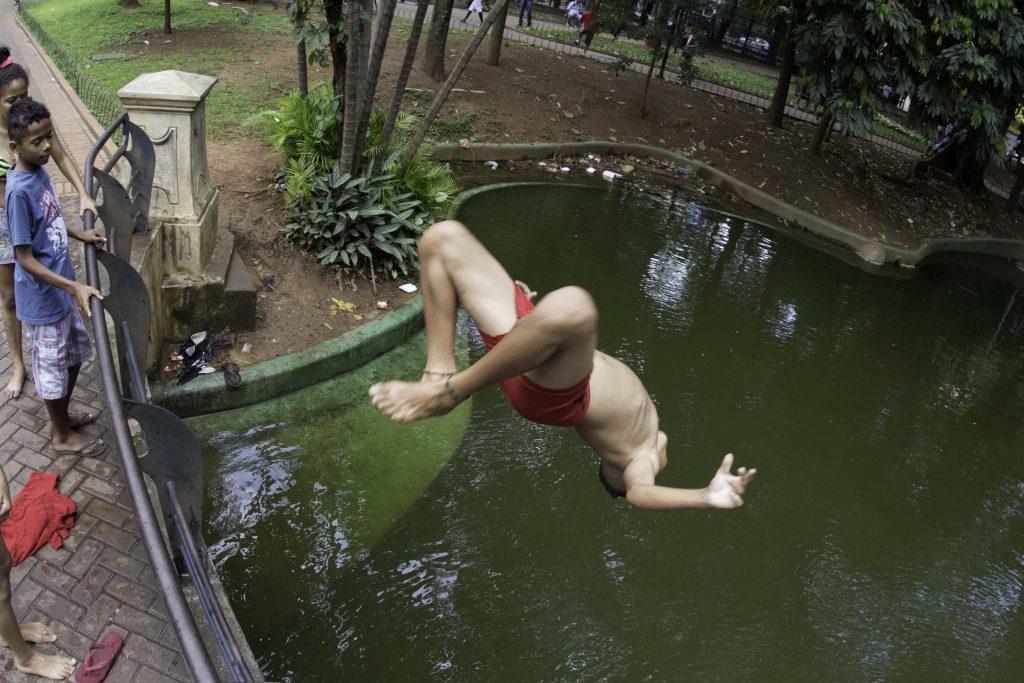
96,444
82,419
100,657
232,377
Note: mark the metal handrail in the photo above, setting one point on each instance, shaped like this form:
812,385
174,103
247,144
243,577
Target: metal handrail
196,657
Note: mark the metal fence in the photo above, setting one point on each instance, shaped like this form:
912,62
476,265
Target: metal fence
103,104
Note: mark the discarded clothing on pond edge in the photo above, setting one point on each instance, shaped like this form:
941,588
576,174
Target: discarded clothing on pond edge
197,353
40,514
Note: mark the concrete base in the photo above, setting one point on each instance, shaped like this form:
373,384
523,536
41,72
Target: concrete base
223,297
188,245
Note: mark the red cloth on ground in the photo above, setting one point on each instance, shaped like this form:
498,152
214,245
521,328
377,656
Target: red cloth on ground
39,515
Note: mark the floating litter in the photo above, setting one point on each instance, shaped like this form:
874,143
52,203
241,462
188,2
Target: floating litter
591,170
408,288
542,163
492,164
564,169
246,347
610,175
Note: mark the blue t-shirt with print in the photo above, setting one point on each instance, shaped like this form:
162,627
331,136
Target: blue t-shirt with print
34,218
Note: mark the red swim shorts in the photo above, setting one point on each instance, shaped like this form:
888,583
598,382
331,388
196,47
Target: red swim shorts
558,407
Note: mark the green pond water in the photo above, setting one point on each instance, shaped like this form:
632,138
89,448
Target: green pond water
883,538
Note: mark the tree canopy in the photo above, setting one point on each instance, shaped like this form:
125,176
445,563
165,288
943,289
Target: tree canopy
961,61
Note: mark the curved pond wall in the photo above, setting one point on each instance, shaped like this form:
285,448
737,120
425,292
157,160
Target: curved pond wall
269,379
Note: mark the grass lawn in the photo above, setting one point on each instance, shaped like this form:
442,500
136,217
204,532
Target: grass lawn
93,27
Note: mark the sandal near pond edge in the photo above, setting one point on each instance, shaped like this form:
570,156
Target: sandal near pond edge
99,658
232,376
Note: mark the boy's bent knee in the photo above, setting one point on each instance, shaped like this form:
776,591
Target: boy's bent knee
571,310
442,232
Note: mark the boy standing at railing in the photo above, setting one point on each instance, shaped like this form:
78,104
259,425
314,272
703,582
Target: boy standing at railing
44,280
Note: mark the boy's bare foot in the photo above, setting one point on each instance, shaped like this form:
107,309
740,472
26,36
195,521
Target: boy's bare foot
17,383
35,633
54,667
410,401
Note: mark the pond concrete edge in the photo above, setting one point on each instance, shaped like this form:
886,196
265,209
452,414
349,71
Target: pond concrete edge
279,376
871,251
270,379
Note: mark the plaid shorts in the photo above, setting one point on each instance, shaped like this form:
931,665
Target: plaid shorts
6,245
55,348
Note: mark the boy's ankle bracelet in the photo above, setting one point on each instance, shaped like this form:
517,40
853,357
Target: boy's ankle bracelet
435,373
454,395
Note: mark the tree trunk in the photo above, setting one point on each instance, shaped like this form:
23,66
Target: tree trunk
1013,201
824,125
671,41
497,37
777,109
437,38
350,122
647,81
442,95
746,38
403,78
303,66
780,36
970,171
723,28
380,41
363,89
334,13
167,17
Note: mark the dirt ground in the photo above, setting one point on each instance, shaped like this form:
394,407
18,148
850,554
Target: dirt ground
539,96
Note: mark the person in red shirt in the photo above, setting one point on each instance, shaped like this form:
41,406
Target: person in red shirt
586,27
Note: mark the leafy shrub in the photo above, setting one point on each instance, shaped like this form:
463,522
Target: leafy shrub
359,223
302,130
354,222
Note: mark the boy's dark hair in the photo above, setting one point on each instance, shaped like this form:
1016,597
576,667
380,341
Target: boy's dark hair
10,73
23,114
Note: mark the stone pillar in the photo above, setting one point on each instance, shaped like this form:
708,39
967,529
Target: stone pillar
171,107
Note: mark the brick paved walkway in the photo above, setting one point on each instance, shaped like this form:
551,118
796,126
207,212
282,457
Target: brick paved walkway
101,579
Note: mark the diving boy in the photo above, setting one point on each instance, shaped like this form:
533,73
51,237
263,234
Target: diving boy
547,362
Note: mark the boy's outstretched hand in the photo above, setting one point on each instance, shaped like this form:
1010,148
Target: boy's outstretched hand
726,489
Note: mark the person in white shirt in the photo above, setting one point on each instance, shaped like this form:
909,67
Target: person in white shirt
574,11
